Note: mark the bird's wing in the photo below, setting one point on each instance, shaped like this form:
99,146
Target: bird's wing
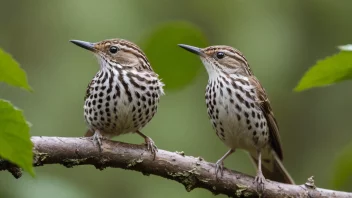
264,104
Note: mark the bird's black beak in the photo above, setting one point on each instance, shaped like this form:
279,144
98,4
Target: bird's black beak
192,49
86,45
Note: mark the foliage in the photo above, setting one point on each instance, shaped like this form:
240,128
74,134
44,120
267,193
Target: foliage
15,144
343,172
333,69
175,67
11,72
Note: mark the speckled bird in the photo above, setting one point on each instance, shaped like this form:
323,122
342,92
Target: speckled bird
240,112
124,95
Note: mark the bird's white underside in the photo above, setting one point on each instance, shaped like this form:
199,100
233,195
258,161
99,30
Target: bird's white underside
124,123
236,132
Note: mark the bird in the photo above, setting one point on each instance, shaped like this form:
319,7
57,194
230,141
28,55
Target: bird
240,112
124,94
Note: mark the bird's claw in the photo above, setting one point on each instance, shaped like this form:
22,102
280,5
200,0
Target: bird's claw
97,140
260,180
151,146
219,168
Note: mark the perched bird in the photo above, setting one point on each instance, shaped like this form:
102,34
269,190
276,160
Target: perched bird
240,112
124,95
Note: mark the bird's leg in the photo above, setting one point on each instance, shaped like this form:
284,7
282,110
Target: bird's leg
89,133
97,137
260,179
220,163
150,143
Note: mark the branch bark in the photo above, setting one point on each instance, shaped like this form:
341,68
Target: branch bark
192,172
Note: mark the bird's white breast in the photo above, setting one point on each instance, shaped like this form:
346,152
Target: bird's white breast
233,113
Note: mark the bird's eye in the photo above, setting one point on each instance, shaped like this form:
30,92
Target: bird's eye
220,55
113,49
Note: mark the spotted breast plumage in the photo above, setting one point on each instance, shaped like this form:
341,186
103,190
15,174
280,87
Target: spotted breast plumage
233,112
124,95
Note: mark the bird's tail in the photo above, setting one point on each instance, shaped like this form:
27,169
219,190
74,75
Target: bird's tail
272,167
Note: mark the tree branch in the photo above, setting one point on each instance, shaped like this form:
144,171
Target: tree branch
190,171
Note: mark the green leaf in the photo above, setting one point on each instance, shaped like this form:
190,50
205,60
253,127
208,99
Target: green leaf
15,143
175,66
331,70
342,176
11,72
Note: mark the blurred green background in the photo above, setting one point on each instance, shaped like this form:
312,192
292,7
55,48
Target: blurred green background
281,40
